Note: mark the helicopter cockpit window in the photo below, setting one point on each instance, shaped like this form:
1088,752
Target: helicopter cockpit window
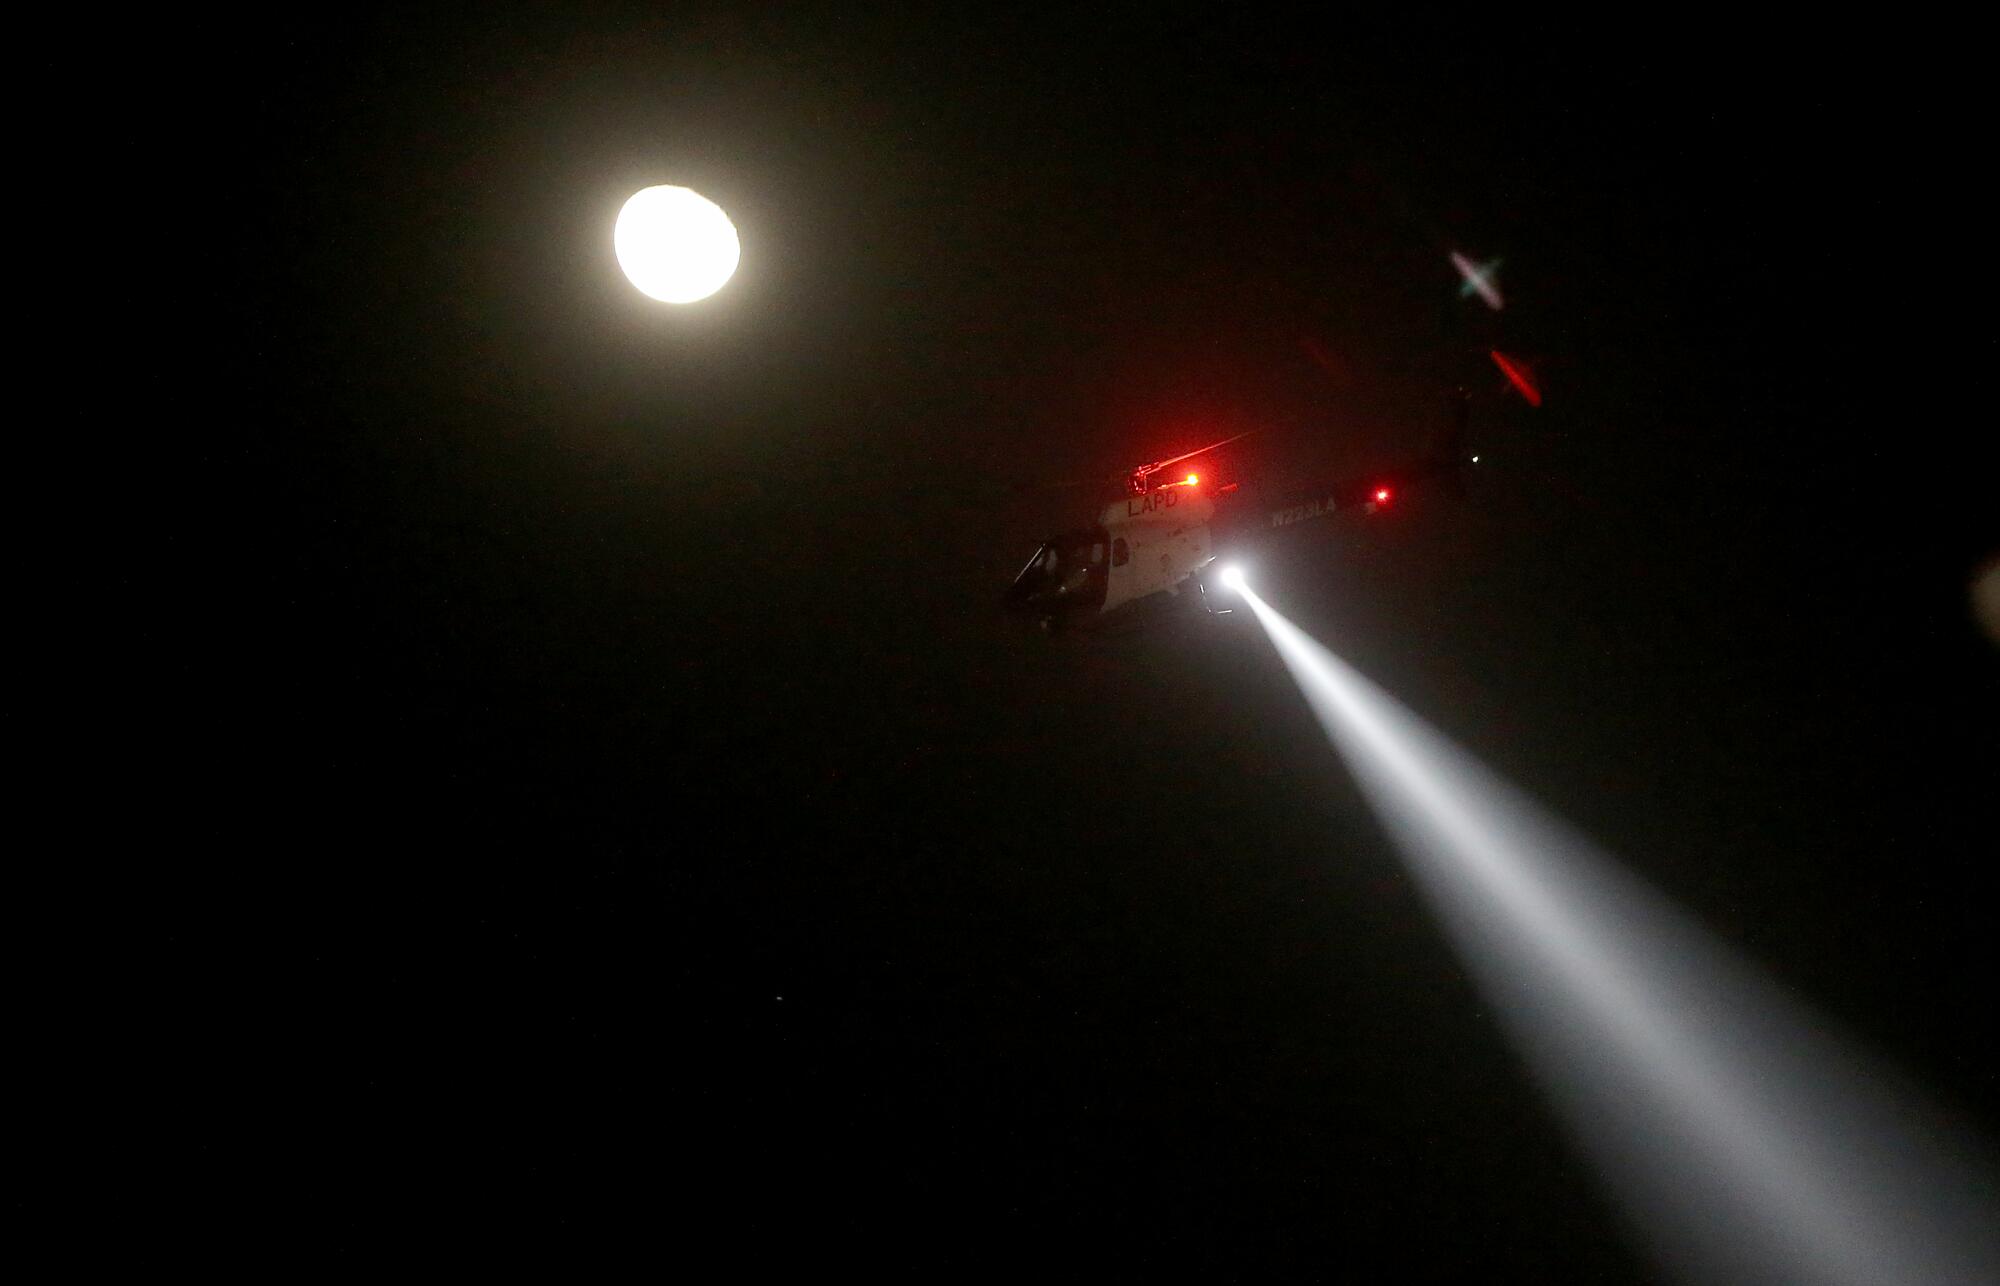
1120,552
1066,572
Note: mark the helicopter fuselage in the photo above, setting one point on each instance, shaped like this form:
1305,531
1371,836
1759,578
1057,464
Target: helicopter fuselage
1147,546
1141,545
1161,542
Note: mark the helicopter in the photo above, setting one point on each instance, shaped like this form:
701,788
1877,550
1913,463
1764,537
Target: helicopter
1165,543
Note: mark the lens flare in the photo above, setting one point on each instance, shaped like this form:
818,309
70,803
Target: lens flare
1518,375
1480,279
1745,1143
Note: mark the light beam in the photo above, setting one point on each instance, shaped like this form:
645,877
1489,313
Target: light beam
1744,1141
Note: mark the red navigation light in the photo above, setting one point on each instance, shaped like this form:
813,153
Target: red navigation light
1192,479
1381,495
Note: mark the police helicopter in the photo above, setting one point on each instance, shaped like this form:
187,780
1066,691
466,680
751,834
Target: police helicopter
1164,543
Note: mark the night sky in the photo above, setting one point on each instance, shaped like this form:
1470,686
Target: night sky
618,825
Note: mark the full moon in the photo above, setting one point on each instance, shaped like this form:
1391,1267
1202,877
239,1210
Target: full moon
675,244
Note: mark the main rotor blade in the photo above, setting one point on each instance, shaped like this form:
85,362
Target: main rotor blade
1189,455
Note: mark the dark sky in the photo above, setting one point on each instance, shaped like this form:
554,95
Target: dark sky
624,826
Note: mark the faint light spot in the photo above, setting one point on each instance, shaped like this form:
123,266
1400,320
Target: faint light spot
1986,597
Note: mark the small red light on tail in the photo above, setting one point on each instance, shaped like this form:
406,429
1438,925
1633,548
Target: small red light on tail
1381,495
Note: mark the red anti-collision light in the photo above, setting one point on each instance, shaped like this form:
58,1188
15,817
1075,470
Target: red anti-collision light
1381,495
